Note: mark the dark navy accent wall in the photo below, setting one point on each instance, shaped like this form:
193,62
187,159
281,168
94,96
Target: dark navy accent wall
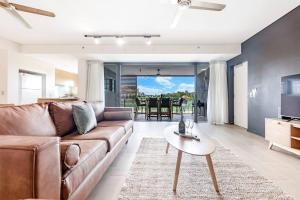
272,53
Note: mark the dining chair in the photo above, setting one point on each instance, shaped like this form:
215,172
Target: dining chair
139,105
177,104
165,108
202,107
152,108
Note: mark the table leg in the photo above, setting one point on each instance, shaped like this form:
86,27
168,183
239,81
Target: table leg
167,149
179,156
212,172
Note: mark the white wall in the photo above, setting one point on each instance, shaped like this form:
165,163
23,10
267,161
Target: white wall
11,61
3,76
9,45
17,61
5,47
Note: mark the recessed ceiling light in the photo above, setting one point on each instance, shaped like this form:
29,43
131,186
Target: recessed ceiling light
120,41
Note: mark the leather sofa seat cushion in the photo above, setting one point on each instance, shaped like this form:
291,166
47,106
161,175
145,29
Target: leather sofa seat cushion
92,152
27,120
61,113
126,124
112,135
70,154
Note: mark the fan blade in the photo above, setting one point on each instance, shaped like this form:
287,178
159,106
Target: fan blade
207,6
15,14
4,4
32,10
177,17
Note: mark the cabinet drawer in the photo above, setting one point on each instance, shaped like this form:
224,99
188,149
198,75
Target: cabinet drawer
278,132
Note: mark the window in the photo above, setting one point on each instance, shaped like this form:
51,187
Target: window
110,85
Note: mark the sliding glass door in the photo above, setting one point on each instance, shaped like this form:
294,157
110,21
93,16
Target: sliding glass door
201,91
126,81
112,85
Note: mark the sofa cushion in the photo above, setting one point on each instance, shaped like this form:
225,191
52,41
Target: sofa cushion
61,113
28,120
84,117
98,109
92,152
112,135
126,124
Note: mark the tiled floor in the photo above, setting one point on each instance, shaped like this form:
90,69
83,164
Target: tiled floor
280,167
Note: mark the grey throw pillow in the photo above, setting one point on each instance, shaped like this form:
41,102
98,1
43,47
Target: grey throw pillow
84,117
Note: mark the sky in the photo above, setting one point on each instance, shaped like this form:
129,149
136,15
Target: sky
151,85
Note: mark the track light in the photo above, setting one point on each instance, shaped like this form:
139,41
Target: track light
120,41
97,40
148,40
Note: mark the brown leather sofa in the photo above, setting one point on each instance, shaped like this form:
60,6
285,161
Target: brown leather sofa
31,138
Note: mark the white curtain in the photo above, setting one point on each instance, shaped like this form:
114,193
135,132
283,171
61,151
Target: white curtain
217,102
95,81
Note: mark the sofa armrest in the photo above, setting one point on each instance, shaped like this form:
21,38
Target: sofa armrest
117,109
30,167
118,113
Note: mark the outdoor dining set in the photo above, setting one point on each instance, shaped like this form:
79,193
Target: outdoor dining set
164,107
158,107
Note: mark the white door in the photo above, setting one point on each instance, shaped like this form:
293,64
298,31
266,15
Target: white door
241,95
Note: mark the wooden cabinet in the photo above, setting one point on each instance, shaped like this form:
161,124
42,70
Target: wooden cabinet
283,134
6,105
48,100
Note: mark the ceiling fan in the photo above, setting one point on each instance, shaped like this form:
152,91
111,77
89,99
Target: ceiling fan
13,8
158,72
194,4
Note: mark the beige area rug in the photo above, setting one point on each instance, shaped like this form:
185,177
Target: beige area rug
151,176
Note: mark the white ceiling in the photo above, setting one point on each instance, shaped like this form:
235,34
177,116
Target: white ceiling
69,62
159,57
240,20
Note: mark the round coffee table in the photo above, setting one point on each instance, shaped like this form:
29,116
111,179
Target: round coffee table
198,148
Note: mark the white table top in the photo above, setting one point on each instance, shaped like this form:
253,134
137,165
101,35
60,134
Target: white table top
202,148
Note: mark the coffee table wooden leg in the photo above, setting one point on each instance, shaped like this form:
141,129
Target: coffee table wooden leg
167,149
212,172
179,156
